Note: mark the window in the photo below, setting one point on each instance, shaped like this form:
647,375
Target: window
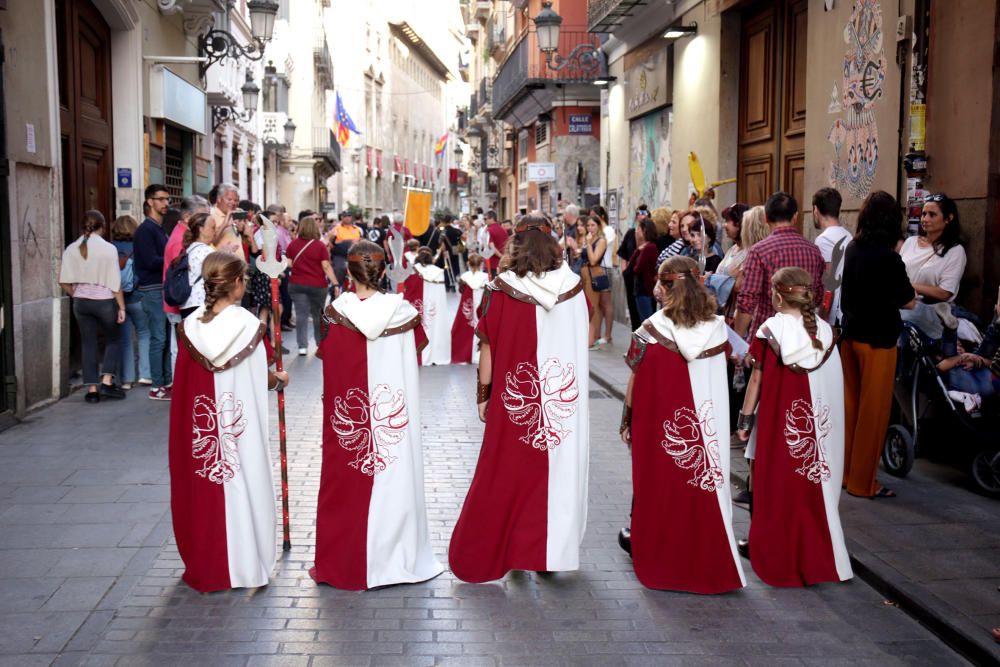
541,133
522,174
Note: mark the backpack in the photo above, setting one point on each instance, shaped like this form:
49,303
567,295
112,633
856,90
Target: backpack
176,284
126,267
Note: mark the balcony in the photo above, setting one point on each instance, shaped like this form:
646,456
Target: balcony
483,8
326,151
606,15
485,93
525,70
496,37
323,60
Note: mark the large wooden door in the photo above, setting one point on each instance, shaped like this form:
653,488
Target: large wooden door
84,40
772,114
8,392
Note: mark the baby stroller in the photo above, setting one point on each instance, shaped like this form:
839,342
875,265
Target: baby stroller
922,409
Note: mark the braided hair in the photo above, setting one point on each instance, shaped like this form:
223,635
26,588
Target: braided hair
795,287
220,272
366,264
93,221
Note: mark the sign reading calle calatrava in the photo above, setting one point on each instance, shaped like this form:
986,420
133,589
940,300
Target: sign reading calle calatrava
647,78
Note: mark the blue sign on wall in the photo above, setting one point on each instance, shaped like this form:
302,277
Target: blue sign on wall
581,123
124,178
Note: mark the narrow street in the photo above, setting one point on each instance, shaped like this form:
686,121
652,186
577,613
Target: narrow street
89,574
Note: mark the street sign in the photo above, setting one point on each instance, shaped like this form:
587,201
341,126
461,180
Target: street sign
541,172
124,178
581,123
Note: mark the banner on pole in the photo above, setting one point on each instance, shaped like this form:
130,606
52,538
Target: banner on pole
418,211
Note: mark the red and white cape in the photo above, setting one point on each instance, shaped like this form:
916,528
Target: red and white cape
221,490
371,523
682,517
798,450
424,289
464,349
527,506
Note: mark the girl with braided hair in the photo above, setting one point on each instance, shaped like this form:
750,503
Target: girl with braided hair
682,519
371,522
796,397
221,490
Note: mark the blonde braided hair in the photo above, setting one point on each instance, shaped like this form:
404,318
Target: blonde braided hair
220,271
795,287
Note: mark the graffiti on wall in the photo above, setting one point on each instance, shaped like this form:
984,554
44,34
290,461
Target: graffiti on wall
854,134
649,166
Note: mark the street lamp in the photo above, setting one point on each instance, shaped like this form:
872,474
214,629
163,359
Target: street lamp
217,45
585,58
289,128
251,93
547,26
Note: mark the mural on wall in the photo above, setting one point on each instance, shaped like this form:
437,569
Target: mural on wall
650,165
855,134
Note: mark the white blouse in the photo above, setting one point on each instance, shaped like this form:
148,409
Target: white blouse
924,266
196,253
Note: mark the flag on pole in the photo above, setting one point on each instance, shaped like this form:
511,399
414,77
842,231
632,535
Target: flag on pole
441,144
344,123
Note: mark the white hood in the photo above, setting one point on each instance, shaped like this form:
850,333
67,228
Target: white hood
691,341
225,336
796,346
375,314
475,279
430,273
546,288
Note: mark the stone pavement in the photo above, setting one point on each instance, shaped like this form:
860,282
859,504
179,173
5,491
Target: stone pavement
934,549
89,574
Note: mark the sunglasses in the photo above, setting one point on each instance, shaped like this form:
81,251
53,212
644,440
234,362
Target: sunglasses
934,198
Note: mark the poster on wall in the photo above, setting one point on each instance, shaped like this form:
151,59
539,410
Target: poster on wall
854,135
612,206
649,174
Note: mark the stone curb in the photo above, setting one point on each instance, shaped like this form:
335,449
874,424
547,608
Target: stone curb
961,635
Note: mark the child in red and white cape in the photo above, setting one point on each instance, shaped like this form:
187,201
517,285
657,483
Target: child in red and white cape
797,447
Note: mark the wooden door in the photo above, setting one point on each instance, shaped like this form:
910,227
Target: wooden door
8,392
772,114
84,41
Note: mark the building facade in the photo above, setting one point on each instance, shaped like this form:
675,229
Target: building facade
100,99
802,94
533,117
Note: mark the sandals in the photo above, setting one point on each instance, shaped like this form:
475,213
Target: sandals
884,492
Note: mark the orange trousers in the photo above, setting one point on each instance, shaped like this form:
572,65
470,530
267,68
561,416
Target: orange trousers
869,375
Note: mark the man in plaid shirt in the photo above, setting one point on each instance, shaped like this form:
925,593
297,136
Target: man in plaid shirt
785,246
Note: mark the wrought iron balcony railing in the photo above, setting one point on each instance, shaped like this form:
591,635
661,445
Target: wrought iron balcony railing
577,60
326,148
605,15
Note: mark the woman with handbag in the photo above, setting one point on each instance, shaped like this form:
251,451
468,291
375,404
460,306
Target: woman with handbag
595,246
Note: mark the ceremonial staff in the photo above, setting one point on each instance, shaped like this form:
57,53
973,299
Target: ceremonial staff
268,264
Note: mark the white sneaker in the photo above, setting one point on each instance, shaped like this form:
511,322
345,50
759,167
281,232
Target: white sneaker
303,351
601,341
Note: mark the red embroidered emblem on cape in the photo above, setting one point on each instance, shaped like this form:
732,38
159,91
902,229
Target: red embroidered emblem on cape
427,314
541,400
806,427
216,432
690,439
370,425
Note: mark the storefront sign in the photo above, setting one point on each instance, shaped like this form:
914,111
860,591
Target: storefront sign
541,172
582,123
647,79
177,100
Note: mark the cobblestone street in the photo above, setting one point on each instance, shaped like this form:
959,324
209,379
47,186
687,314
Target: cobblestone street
89,574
